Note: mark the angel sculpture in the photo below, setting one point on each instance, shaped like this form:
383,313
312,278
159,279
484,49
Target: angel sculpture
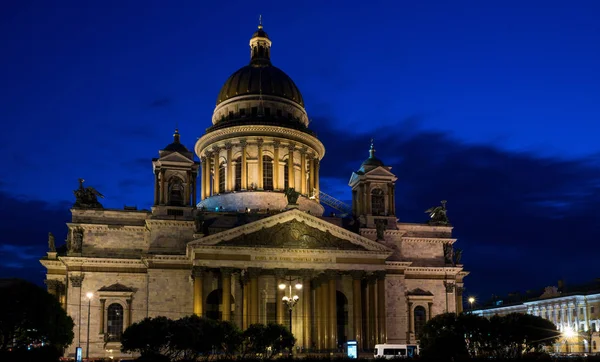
292,195
437,215
87,198
51,243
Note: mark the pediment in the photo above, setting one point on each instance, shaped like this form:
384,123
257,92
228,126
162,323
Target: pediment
292,229
381,171
176,157
117,287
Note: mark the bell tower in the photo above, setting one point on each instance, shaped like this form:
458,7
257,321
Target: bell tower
373,193
175,173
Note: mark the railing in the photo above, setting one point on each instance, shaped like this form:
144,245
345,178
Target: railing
334,203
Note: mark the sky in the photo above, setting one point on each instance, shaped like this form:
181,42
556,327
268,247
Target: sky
491,105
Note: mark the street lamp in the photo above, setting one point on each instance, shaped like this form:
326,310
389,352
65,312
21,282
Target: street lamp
89,296
568,333
471,301
290,299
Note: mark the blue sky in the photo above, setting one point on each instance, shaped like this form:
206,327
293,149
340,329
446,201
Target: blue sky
492,105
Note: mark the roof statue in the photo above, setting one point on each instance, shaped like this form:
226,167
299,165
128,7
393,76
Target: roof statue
51,244
292,195
87,198
437,215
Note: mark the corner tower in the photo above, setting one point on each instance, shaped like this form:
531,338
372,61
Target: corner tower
175,173
259,143
373,192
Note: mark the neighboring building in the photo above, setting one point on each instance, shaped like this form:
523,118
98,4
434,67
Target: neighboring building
368,277
574,314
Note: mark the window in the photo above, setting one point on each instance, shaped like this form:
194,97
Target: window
267,112
594,345
286,175
580,311
272,312
230,114
238,174
279,113
377,202
115,322
419,315
594,327
176,191
242,112
267,173
592,309
254,111
222,177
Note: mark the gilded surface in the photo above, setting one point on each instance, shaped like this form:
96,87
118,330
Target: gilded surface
292,234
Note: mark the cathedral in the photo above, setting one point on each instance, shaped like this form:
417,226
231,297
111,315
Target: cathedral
237,232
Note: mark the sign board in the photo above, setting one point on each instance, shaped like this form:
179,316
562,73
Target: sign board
78,354
352,349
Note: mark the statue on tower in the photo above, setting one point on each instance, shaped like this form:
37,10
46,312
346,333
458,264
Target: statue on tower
51,244
87,198
437,215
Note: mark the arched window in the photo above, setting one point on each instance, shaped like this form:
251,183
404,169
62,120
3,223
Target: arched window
238,174
176,191
419,315
267,173
377,202
222,177
594,346
286,176
114,322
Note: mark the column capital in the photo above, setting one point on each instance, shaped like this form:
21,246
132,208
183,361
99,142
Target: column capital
372,278
276,144
198,271
76,280
243,142
380,274
208,154
202,159
52,283
254,272
357,274
459,289
303,150
226,270
331,274
449,286
228,146
306,273
216,150
259,142
280,272
291,146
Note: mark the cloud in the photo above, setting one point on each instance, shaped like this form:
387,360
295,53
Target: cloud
523,220
24,233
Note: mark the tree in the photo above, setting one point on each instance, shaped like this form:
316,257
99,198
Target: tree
150,337
519,333
268,340
29,316
442,338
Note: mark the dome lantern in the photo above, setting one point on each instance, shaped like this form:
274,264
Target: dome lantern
260,47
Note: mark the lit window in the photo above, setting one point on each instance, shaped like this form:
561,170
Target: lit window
419,316
267,173
238,174
114,322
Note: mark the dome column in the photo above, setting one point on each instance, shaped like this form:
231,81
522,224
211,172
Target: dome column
203,178
163,191
217,170
291,174
229,174
276,185
156,187
244,165
303,171
208,187
317,188
259,179
311,176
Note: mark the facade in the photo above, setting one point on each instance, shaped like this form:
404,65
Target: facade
258,223
576,315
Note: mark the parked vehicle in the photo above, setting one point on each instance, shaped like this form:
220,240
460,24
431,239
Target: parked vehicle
396,350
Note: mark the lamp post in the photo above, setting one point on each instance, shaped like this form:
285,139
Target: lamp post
471,301
89,296
290,299
568,333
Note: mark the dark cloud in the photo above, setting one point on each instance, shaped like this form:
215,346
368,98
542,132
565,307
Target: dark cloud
161,102
523,220
24,234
